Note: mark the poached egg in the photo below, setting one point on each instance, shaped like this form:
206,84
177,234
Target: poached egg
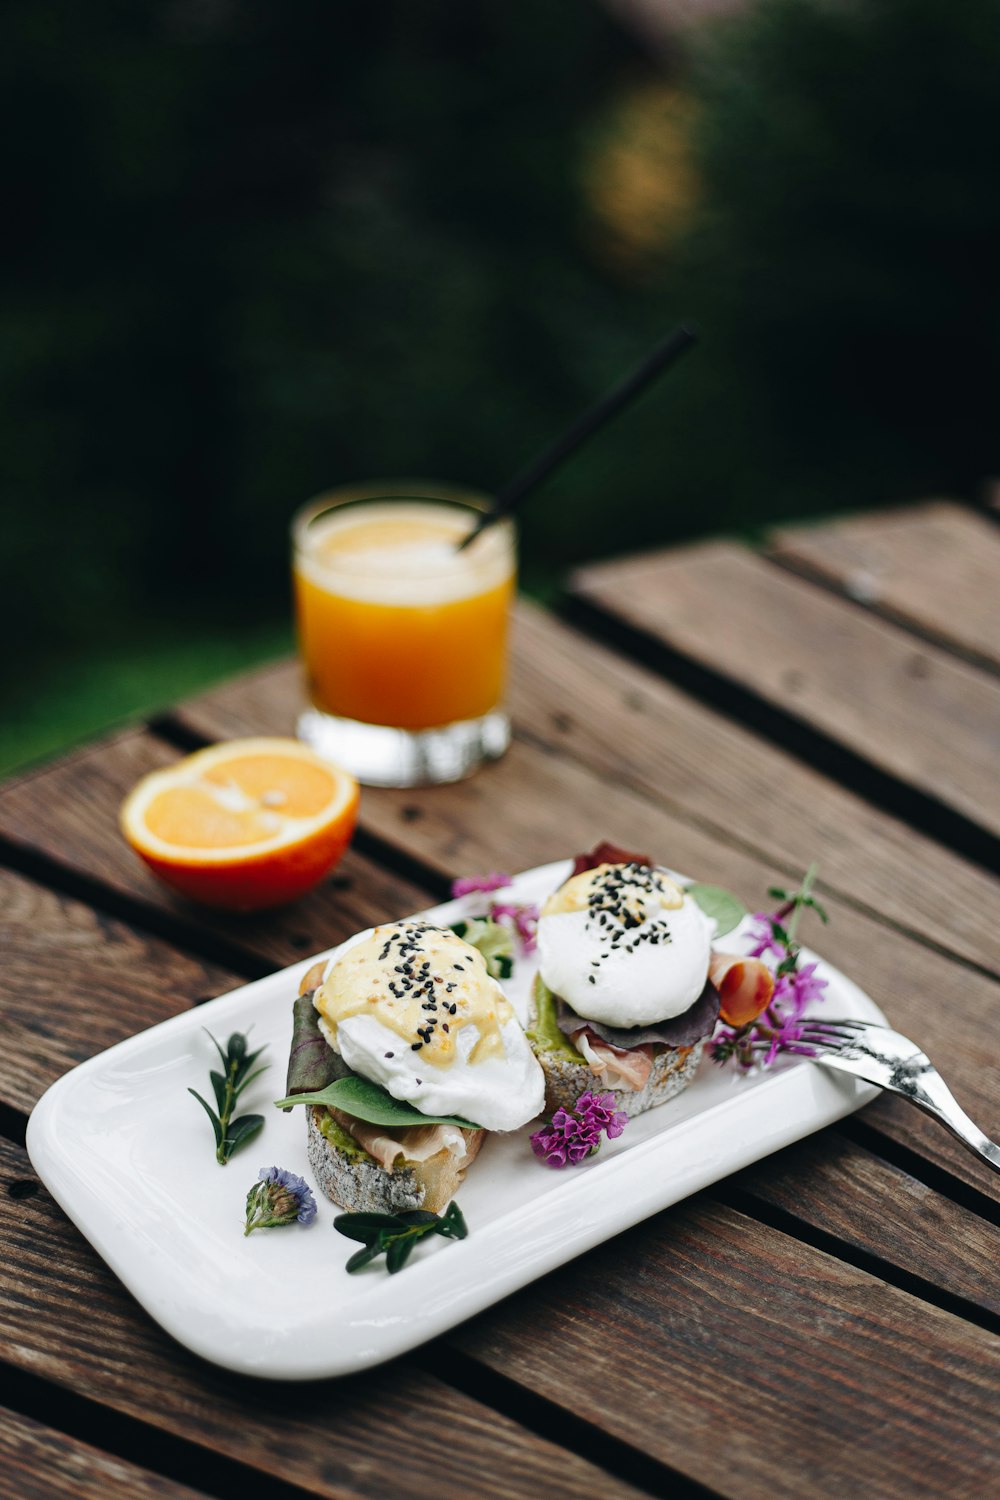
622,944
412,1007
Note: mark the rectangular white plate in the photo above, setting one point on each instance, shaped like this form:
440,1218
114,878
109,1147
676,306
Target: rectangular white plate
129,1156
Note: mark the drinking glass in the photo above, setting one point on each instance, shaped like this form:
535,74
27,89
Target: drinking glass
403,638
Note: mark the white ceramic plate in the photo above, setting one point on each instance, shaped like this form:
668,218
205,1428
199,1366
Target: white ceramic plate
128,1154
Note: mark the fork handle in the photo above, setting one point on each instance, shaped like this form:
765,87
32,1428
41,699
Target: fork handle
933,1095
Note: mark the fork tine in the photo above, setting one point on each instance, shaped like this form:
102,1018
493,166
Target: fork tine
845,1023
841,1031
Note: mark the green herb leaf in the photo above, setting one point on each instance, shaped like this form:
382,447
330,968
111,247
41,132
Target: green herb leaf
248,1080
398,1254
721,905
362,1258
216,1125
219,1086
453,1223
227,1086
395,1235
223,1058
241,1130
364,1227
364,1100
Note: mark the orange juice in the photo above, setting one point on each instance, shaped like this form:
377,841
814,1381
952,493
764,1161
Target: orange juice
396,627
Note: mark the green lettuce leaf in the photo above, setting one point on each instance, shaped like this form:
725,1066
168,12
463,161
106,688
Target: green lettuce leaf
726,909
495,943
364,1100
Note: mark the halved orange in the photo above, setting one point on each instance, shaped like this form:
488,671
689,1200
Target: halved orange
243,825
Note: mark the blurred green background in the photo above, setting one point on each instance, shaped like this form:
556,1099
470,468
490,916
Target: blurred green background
254,251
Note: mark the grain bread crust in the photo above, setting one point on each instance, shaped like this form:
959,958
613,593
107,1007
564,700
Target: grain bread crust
672,1070
359,1184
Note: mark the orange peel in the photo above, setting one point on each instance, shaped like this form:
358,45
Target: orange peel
243,825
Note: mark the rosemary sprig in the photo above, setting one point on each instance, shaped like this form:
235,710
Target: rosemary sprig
395,1235
228,1086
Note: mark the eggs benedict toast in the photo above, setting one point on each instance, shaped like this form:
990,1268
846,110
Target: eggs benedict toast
406,1052
629,988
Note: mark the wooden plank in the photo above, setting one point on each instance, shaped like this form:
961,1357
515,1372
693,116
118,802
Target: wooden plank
932,566
759,1366
113,981
65,1318
589,703
905,706
537,804
631,725
68,812
73,982
40,1464
829,1184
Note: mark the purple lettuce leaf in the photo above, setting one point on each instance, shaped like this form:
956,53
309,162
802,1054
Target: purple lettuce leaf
676,1031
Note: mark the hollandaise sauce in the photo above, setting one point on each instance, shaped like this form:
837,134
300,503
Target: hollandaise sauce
617,895
424,984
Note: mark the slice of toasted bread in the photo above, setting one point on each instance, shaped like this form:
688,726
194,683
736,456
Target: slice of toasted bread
565,1081
357,1182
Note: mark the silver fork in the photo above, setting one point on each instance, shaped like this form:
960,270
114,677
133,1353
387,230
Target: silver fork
892,1061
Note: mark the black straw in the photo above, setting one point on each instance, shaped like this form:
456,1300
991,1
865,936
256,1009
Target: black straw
589,422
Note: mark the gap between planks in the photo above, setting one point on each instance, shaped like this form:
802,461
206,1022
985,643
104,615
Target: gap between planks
931,568
146,976
440,840
785,730
771,1246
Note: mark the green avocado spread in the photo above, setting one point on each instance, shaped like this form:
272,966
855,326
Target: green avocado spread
544,1033
343,1141
340,1139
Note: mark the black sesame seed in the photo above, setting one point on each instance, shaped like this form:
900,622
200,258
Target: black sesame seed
390,1054
592,978
415,1046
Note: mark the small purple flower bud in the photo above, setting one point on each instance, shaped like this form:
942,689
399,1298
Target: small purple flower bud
278,1197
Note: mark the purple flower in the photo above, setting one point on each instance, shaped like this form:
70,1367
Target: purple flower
278,1197
522,916
467,885
779,1029
764,940
807,987
573,1135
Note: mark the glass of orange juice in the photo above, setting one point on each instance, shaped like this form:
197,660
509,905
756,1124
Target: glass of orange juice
404,638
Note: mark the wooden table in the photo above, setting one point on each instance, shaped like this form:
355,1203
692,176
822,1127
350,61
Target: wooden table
825,1323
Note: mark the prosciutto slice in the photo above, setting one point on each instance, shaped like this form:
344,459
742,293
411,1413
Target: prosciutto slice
413,1143
631,1067
745,987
